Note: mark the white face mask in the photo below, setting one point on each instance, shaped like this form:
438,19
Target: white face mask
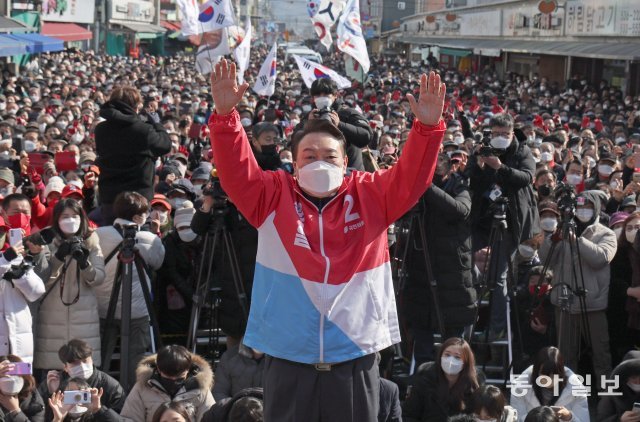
574,179
500,142
77,411
11,385
306,108
245,122
451,365
631,236
83,370
70,225
140,219
320,178
584,214
526,251
187,235
549,224
546,157
634,387
620,141
618,232
29,146
161,216
76,138
322,102
182,168
605,170
177,203
459,140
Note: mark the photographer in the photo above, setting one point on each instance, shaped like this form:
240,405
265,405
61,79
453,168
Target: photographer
127,148
597,246
353,125
72,266
503,169
130,209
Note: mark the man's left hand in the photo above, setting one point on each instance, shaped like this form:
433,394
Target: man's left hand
492,161
428,107
335,119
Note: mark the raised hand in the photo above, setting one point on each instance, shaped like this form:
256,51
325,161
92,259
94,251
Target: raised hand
428,108
224,87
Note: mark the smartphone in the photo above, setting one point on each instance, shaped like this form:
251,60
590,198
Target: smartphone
76,397
636,177
636,407
65,161
37,160
15,237
20,368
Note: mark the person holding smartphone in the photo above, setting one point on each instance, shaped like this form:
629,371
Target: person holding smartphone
19,398
625,407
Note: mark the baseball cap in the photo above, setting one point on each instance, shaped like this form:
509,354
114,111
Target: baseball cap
70,190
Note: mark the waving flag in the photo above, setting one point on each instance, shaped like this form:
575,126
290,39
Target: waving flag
324,16
190,12
215,45
311,71
350,39
241,53
266,81
215,14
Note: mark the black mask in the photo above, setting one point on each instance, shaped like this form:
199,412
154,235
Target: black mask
170,386
269,149
544,190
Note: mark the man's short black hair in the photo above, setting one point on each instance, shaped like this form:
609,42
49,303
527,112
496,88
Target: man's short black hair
323,86
502,120
262,127
14,197
173,360
74,351
247,409
129,204
317,126
541,414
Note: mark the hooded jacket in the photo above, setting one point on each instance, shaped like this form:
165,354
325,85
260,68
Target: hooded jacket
597,245
610,407
127,149
148,394
322,288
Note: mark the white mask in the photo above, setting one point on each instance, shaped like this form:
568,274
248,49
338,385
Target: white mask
451,365
245,122
77,411
605,170
631,236
161,216
83,370
177,203
618,232
70,225
11,385
319,178
546,157
500,142
574,179
526,251
459,140
306,108
187,235
549,224
29,146
182,168
620,141
634,387
584,214
76,138
140,219
322,102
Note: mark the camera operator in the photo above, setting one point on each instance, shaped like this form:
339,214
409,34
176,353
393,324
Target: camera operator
353,125
503,169
130,209
127,147
597,246
445,209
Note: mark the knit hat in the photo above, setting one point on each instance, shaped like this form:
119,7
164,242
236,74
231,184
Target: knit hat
184,215
617,217
56,184
7,175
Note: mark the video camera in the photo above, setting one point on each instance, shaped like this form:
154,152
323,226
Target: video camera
213,189
41,238
565,195
486,150
323,114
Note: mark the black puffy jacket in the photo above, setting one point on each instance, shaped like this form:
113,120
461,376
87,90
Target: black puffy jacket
31,410
127,149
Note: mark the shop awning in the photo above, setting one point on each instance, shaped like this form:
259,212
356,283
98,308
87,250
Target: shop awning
11,47
455,52
171,26
37,43
595,50
66,31
144,31
11,25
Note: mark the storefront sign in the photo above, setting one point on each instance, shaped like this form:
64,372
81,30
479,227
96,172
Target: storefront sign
530,22
76,11
132,10
594,17
481,24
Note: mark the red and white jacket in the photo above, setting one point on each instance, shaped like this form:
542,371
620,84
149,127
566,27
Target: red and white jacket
322,288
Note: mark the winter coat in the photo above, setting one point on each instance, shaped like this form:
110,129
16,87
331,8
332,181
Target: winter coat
151,250
112,399
632,305
423,402
58,323
127,149
323,290
611,408
390,410
31,410
515,179
445,211
236,371
569,396
219,412
148,394
16,336
597,245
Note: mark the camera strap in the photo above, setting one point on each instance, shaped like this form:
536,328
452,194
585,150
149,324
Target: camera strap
62,277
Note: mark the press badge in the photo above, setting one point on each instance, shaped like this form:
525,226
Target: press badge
495,193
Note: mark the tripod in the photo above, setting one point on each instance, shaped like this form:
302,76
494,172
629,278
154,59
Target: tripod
217,234
492,273
127,257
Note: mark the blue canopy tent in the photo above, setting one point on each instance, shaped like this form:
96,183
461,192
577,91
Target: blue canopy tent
11,47
38,43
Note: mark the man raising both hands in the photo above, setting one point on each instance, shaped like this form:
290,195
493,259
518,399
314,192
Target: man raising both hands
323,301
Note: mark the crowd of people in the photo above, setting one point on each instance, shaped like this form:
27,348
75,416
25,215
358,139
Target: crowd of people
534,206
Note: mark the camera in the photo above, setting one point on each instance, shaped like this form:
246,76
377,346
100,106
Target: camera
323,114
75,247
565,195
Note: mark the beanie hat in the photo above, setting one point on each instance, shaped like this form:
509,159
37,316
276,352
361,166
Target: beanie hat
7,175
617,217
184,215
56,184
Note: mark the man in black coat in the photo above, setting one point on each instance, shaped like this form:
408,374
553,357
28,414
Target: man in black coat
445,209
353,125
127,148
504,172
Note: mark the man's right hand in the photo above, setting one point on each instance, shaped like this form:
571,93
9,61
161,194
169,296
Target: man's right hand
630,416
224,87
53,381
